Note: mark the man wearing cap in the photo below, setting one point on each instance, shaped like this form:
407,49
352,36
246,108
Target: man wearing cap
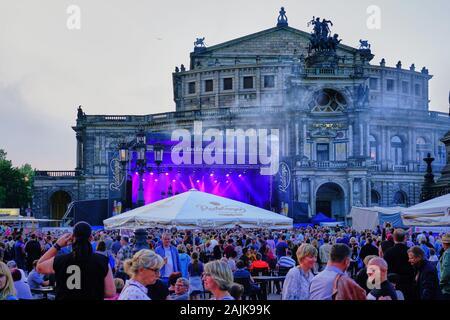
80,274
444,280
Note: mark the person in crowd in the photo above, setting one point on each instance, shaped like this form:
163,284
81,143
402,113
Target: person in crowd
324,253
393,279
333,283
397,260
243,276
185,259
170,255
298,280
286,262
124,253
237,291
433,257
35,279
361,276
13,265
7,289
32,251
218,279
354,257
368,249
377,274
89,273
426,278
158,291
101,249
118,284
280,249
195,270
259,265
19,252
174,276
22,288
424,247
143,269
2,251
115,247
444,264
181,290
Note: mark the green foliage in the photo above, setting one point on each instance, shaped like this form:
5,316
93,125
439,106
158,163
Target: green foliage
15,184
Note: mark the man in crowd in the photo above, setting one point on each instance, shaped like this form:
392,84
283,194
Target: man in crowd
324,253
33,251
124,253
380,286
426,278
181,290
35,279
333,282
19,252
398,262
170,256
368,249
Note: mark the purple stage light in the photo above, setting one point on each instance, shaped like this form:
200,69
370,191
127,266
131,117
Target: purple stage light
227,175
211,175
198,181
173,180
143,180
151,173
240,175
167,173
215,181
137,173
156,180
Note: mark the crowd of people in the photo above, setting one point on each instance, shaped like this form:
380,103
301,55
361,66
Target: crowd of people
310,263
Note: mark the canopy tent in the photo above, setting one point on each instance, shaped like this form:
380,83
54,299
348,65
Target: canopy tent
14,219
198,210
370,217
320,218
434,212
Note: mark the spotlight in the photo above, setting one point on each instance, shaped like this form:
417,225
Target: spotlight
211,175
174,180
167,173
198,181
215,181
151,173
228,181
227,175
156,180
137,173
240,175
143,180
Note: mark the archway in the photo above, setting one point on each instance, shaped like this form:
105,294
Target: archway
59,202
330,200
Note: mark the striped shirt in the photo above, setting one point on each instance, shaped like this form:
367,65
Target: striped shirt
286,262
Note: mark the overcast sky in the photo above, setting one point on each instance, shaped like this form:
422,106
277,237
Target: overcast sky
122,58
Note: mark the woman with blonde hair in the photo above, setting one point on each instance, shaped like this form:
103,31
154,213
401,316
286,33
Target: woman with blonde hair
218,279
143,269
298,279
7,290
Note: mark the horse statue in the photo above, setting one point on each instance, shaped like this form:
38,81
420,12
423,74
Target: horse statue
364,44
199,42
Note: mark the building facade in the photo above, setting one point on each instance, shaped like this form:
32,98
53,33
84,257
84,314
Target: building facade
353,132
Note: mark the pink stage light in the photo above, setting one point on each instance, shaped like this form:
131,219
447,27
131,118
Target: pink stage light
167,173
156,180
151,173
143,180
198,181
227,175
174,180
211,175
215,181
240,175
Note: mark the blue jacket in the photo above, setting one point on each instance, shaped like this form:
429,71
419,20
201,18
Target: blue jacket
428,282
176,264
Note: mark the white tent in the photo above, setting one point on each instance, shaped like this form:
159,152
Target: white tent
434,212
198,210
369,217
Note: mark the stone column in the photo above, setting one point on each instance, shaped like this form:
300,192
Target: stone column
369,193
367,140
79,151
305,140
312,203
350,142
297,140
350,188
364,191
361,139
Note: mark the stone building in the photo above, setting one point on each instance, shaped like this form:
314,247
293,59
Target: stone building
353,132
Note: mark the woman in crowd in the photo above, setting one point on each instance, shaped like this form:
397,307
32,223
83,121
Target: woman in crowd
298,279
218,279
195,270
22,289
143,269
7,290
185,259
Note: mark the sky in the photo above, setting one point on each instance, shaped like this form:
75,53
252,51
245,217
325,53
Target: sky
121,59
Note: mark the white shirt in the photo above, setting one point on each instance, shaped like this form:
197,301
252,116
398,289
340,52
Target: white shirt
168,268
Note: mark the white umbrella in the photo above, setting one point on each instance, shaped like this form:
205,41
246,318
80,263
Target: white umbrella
434,212
198,210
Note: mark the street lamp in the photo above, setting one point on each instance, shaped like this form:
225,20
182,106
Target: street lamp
124,157
141,163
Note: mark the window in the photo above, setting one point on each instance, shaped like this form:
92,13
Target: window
374,197
390,85
323,153
269,81
373,147
441,152
396,150
400,198
191,87
405,87
248,82
421,149
208,85
228,84
417,89
373,84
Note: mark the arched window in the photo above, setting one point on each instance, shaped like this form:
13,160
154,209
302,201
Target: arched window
441,152
400,198
373,147
396,150
328,100
422,148
375,197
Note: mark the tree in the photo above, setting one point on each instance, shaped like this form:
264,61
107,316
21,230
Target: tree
15,183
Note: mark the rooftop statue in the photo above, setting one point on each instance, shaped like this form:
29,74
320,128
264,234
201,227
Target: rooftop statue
200,43
282,18
364,44
321,39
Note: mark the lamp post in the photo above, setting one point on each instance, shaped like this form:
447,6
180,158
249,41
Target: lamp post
141,163
124,157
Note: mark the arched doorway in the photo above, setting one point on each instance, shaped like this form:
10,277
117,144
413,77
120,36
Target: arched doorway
59,202
330,200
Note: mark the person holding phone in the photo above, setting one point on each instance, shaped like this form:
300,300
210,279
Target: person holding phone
81,274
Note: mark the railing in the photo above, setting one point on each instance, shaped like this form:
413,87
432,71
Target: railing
57,174
399,168
330,164
326,72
